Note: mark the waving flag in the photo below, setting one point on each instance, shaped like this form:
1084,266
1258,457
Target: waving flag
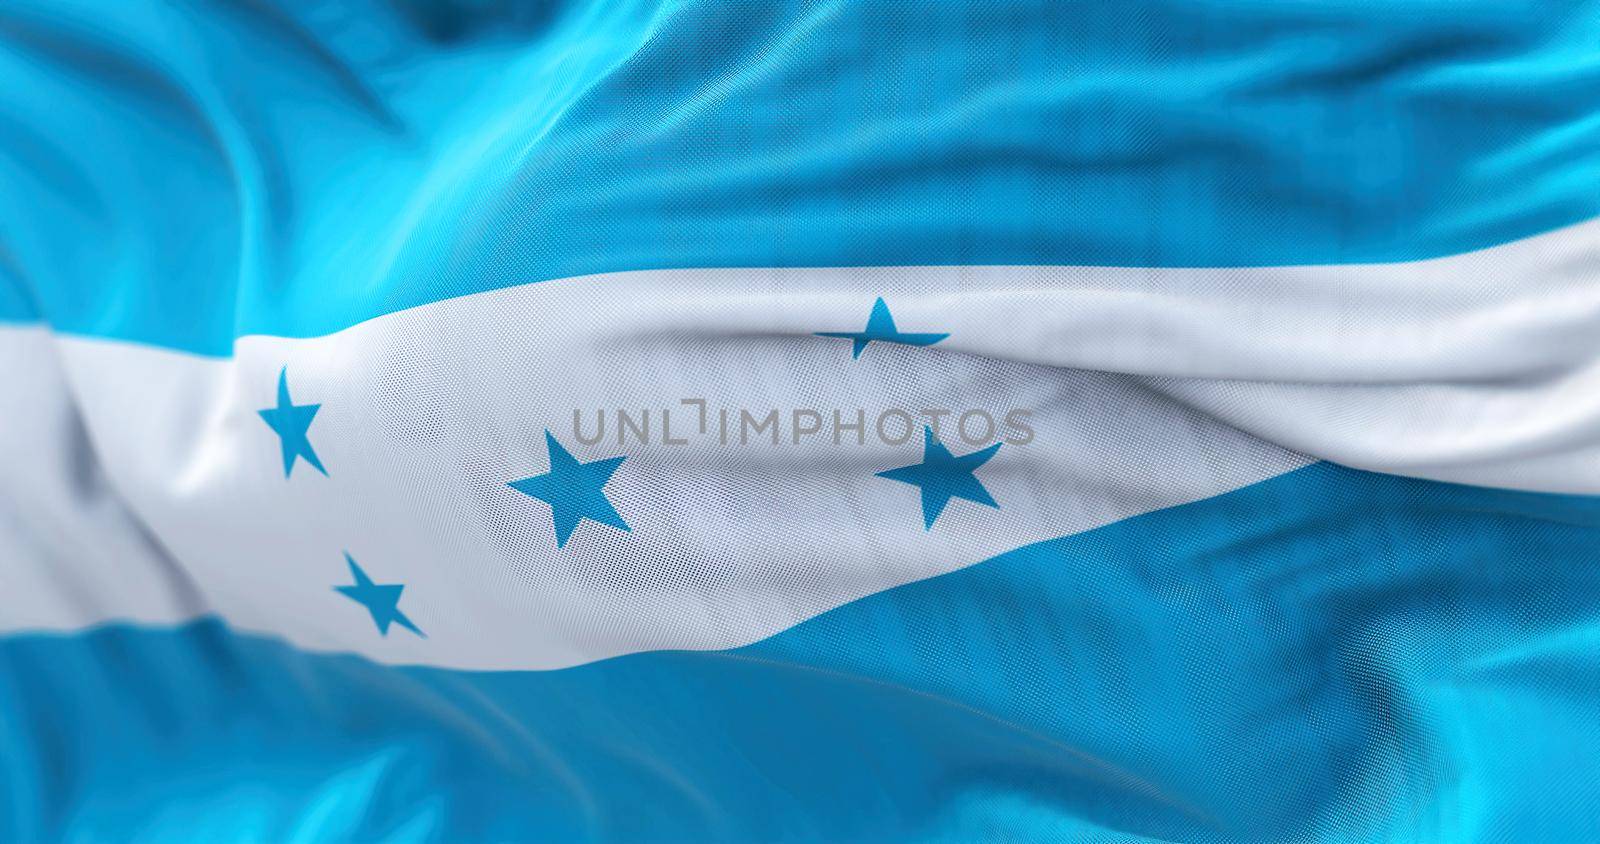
853,421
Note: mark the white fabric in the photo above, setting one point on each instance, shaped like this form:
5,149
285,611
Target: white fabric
1478,368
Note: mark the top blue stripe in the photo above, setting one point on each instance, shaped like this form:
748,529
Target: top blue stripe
182,176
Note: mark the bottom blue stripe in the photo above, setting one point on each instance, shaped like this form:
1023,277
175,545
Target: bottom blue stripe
1328,654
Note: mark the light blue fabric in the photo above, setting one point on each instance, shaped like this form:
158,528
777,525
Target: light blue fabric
184,173
1328,655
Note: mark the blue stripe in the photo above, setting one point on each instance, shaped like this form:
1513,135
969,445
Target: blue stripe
183,176
1328,654
15,304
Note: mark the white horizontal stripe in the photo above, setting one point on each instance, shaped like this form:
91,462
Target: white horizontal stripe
427,415
1151,388
70,552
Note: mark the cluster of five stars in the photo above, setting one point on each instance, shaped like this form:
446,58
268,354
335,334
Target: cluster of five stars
575,490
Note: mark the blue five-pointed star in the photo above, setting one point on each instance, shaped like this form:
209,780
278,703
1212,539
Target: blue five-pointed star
292,421
574,491
380,599
880,327
942,476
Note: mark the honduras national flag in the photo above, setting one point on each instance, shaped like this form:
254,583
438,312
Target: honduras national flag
480,420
